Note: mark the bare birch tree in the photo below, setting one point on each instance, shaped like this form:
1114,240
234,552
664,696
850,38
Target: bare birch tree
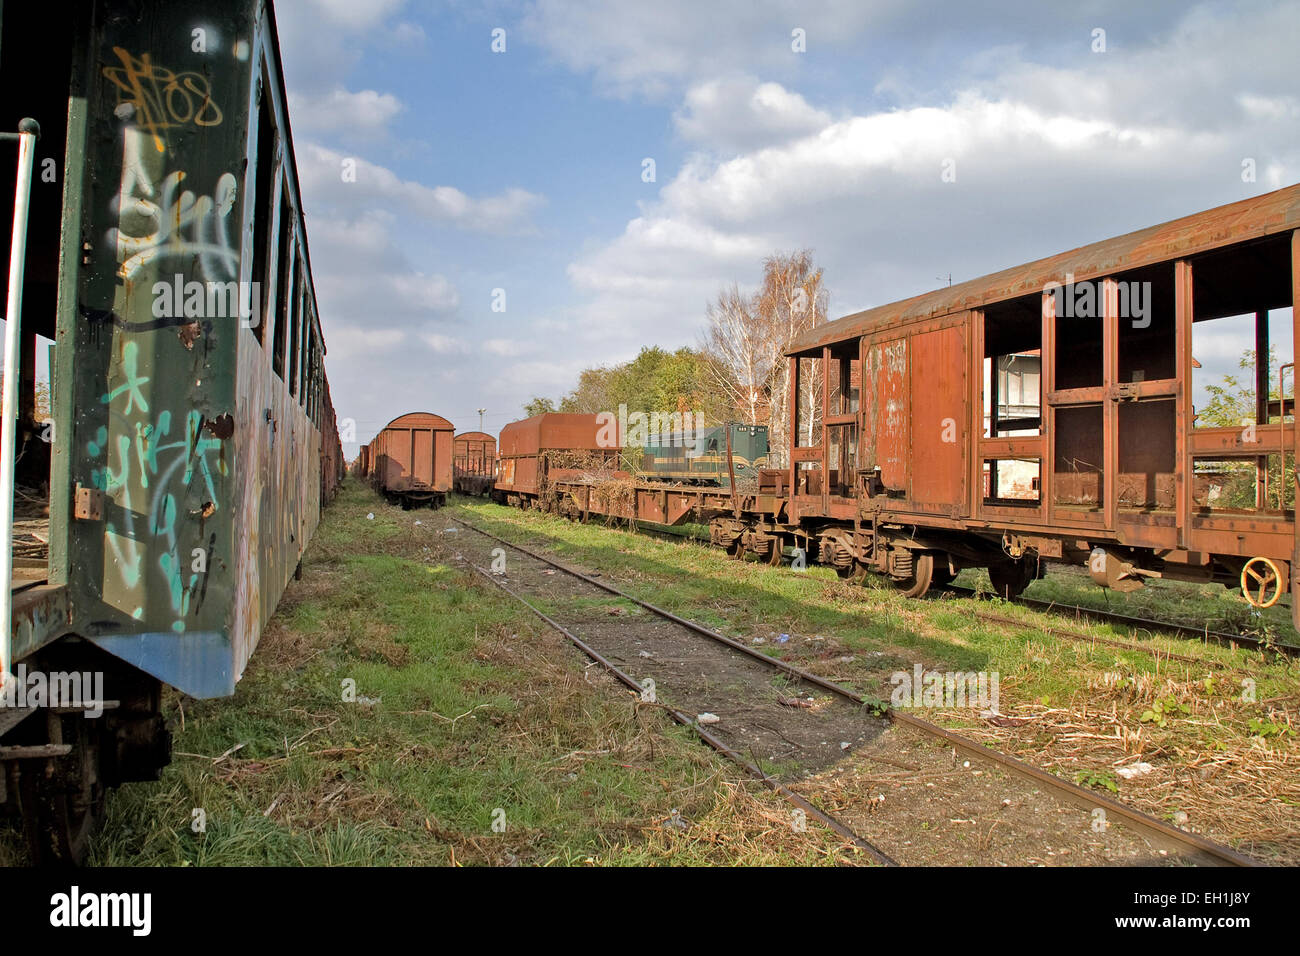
740,352
791,301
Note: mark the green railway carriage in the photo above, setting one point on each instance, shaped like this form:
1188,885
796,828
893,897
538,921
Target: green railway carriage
701,457
194,442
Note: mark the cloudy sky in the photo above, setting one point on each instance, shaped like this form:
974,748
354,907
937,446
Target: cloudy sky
526,170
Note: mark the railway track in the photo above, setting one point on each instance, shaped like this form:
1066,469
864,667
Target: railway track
1206,635
1140,623
1156,833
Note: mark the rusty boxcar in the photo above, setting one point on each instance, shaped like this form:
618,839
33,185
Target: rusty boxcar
474,463
193,440
543,449
410,460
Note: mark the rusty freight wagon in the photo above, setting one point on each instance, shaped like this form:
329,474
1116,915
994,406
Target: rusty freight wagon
410,460
538,451
1056,412
474,463
193,442
1053,412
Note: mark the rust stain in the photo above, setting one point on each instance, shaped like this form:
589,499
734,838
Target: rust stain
187,334
221,427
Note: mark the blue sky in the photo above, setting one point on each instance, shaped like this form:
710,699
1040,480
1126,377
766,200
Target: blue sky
522,170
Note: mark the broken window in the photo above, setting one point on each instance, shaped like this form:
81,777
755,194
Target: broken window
1012,481
808,419
263,180
284,255
1242,335
1013,366
1077,481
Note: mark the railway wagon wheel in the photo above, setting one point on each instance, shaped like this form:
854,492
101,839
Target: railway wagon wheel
855,573
1261,582
1010,578
62,809
921,578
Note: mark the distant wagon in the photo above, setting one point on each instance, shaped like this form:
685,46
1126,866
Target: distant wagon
410,460
474,463
545,448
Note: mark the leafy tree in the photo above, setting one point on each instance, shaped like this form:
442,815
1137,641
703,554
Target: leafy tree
538,406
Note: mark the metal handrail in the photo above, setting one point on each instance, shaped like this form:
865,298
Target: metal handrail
28,132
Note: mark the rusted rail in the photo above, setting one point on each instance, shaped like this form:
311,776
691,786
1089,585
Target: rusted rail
1128,620
713,741
1200,848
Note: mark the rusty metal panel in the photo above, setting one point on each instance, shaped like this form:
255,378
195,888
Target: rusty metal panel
887,376
938,420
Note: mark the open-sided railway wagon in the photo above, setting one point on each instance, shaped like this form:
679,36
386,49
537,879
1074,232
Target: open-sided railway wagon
193,440
1051,412
410,461
1057,412
535,453
474,463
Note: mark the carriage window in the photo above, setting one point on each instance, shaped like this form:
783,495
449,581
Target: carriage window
285,255
845,380
1144,301
1013,366
1242,335
1078,331
295,331
808,420
266,144
1012,482
1077,474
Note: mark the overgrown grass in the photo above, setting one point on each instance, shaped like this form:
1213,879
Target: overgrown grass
1223,739
399,711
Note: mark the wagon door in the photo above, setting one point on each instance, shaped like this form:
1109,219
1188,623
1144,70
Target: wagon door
937,373
884,416
441,479
422,456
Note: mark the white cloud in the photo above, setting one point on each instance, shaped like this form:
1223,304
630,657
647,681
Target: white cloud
739,113
322,169
1046,159
653,49
506,348
444,344
363,112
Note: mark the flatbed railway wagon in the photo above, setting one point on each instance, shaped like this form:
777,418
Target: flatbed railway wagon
474,463
1053,412
192,439
537,452
410,461
700,457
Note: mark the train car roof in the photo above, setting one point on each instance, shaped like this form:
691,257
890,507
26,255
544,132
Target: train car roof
475,436
414,419
1260,216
